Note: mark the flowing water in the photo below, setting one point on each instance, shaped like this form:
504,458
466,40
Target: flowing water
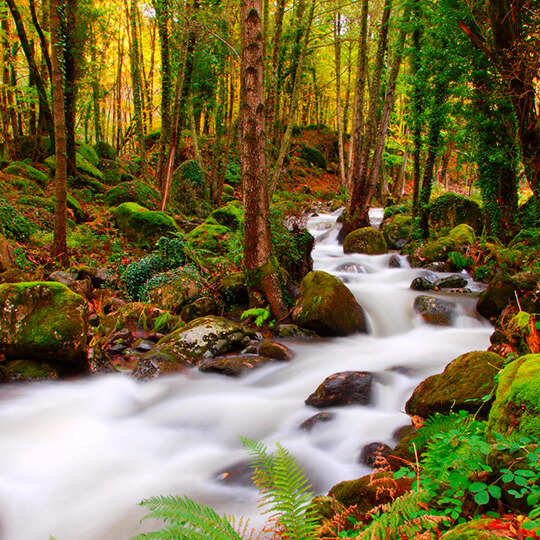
76,457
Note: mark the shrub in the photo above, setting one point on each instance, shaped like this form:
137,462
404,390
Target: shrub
13,223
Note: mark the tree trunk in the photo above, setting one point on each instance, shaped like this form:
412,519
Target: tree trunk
41,35
337,49
262,282
59,249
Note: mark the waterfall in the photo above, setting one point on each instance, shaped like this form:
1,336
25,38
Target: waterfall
76,457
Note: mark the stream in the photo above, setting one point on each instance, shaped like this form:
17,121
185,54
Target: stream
76,457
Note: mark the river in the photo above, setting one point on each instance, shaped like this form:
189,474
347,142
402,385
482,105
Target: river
76,457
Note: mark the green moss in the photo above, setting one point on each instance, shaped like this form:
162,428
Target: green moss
105,150
88,153
437,250
19,167
82,164
191,172
29,370
394,210
135,191
313,157
112,172
366,240
517,405
450,209
143,226
396,230
13,223
529,213
462,234
231,215
211,237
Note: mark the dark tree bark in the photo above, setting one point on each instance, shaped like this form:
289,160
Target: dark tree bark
263,284
59,249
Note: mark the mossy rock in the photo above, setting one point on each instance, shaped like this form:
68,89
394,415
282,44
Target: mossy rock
142,226
28,370
82,164
234,289
211,237
449,210
202,306
463,385
516,409
135,191
73,205
326,306
231,215
313,157
396,230
88,153
435,311
42,321
499,293
189,171
20,167
432,251
394,210
462,234
105,151
366,240
529,213
112,172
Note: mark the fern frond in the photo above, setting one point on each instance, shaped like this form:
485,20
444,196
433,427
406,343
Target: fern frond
188,520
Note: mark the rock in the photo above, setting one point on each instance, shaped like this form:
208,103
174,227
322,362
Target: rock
345,388
491,302
527,280
82,164
366,240
516,409
449,210
112,173
105,150
327,307
463,385
375,455
434,251
451,282
200,307
88,153
99,361
462,234
172,290
42,321
395,261
7,259
65,278
233,366
292,331
210,236
234,289
240,474
20,167
434,311
231,215
13,275
207,337
135,191
143,226
156,363
316,419
27,370
352,268
422,284
366,492
396,230
276,351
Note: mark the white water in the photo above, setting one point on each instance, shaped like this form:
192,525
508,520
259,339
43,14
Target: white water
77,457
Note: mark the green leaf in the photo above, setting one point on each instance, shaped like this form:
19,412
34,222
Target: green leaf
477,486
482,497
530,525
495,491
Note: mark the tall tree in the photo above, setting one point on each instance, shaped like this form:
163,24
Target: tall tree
262,281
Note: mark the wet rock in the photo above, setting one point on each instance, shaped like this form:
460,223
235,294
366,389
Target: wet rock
293,332
327,306
422,284
116,348
345,388
353,268
123,335
232,366
396,230
144,345
451,282
276,351
463,234
156,363
366,240
375,454
199,307
99,361
395,261
500,291
240,474
435,311
316,419
27,370
462,386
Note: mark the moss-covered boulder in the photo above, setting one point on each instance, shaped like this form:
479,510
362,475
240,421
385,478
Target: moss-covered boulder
234,365
105,150
42,321
433,251
463,385
462,234
434,311
449,210
211,237
143,226
82,164
366,240
231,215
112,172
327,307
22,168
201,306
517,404
172,290
396,230
88,153
135,191
500,291
233,289
27,370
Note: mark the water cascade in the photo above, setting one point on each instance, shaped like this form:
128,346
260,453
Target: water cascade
76,457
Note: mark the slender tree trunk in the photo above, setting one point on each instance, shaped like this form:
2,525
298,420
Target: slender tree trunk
261,276
59,249
41,35
337,48
136,87
96,95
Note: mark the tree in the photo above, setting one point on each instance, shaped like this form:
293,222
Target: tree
263,284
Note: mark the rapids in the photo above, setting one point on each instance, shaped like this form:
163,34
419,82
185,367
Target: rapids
76,457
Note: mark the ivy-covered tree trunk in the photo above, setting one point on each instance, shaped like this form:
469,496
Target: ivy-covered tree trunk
262,281
59,249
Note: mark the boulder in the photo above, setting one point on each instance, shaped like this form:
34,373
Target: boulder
366,240
500,291
42,321
276,351
27,370
83,165
433,251
516,409
316,419
234,290
291,331
345,388
88,153
451,282
396,230
233,366
375,455
462,234
211,236
20,167
434,311
143,226
135,191
422,284
449,210
231,215
463,385
200,307
327,307
104,150
156,363
206,337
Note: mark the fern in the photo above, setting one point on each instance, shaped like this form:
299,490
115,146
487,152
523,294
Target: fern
284,487
188,520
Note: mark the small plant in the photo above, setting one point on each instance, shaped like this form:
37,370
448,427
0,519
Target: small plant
261,315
